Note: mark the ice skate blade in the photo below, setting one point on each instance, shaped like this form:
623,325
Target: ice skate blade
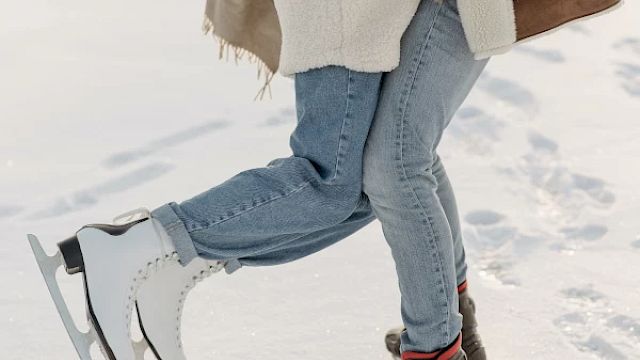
48,266
81,341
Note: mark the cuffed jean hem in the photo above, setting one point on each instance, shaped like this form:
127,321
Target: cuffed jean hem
177,232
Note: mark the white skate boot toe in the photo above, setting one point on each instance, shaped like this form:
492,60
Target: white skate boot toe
114,261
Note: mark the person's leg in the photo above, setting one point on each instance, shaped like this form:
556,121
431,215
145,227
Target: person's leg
317,187
471,341
311,243
417,101
447,199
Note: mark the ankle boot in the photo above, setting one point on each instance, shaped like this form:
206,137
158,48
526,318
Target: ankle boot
471,342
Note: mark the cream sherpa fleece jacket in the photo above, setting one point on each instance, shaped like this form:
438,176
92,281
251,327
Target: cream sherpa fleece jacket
362,35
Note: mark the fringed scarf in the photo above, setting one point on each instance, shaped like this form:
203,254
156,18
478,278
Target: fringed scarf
247,29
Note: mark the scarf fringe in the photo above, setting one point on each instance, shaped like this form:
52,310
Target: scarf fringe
238,53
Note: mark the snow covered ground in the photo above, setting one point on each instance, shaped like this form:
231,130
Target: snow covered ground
106,106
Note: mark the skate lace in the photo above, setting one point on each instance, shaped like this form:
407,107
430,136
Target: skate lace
152,266
209,270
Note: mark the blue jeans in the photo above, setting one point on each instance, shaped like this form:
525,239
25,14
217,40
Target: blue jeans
302,204
404,177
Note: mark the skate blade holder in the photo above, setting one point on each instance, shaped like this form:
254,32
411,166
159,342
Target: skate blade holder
82,341
131,216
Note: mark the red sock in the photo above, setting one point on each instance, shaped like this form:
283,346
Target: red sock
444,354
462,287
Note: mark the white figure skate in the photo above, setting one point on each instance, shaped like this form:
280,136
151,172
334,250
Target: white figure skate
160,301
161,298
114,261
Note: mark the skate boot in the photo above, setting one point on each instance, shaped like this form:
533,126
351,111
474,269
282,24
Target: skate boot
114,261
160,301
453,352
471,342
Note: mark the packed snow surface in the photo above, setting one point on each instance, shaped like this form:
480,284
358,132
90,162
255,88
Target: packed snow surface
108,106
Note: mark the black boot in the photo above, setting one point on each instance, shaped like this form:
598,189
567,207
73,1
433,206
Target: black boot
471,342
392,341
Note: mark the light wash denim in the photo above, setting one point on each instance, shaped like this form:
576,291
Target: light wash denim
404,177
319,186
302,204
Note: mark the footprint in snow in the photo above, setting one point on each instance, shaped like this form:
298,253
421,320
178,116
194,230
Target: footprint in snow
9,210
580,29
600,347
495,245
629,75
284,116
628,72
483,217
123,158
540,142
594,327
589,232
83,199
510,93
595,188
630,43
547,55
562,196
564,193
474,130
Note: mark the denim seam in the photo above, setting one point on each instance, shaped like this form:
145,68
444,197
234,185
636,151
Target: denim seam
403,172
246,210
342,138
289,238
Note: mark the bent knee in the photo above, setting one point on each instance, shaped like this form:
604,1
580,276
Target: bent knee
385,175
384,172
340,204
379,174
